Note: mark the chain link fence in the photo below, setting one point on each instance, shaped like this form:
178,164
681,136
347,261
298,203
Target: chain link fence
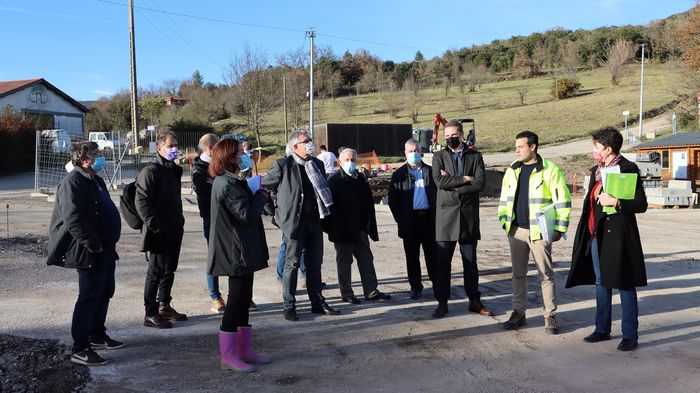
123,163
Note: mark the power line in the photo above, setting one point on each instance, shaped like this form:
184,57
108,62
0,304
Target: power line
219,20
177,30
167,36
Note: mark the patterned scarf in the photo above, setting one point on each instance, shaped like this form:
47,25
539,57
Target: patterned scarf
324,199
615,161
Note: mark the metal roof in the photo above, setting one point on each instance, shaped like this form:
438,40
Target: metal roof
677,140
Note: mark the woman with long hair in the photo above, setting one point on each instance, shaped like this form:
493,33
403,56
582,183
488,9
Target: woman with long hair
237,249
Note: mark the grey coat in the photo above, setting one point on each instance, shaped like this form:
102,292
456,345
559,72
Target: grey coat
285,179
457,210
237,244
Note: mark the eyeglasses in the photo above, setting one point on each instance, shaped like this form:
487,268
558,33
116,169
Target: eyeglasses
94,154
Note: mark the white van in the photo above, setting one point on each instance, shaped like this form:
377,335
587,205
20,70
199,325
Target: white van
106,140
59,139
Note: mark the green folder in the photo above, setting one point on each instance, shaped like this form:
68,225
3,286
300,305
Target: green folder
621,186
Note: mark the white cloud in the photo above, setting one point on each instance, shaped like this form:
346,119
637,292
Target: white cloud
11,9
103,92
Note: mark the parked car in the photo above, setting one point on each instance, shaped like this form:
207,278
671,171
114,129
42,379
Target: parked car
106,140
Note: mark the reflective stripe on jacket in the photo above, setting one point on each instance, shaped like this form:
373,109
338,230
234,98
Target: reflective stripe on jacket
547,186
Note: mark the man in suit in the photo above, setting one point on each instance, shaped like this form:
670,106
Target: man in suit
460,175
412,195
303,199
353,223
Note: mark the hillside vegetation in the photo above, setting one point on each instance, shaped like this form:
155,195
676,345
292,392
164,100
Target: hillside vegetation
497,110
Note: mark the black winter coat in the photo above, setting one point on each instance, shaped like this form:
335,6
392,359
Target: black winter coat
621,255
201,183
237,244
159,204
74,239
457,214
352,209
401,197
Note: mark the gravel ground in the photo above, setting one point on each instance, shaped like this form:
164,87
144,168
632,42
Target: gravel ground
32,365
391,346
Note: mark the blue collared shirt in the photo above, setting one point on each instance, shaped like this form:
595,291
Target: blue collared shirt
420,197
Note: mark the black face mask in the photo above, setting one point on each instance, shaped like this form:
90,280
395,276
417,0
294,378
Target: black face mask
453,142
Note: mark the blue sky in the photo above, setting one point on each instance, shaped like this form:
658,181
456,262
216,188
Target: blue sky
82,46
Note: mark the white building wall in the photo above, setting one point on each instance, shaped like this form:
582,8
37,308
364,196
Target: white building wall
41,98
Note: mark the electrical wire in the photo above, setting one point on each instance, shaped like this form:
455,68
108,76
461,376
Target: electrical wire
219,20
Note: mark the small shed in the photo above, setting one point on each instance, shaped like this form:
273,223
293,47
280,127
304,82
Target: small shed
678,154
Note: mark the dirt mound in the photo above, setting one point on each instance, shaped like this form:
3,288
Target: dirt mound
32,244
31,365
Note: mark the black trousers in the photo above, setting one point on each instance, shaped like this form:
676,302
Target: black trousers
419,235
95,288
309,240
443,270
159,279
240,294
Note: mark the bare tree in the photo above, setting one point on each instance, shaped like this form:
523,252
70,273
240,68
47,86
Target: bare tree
570,59
474,76
617,56
348,105
256,89
522,92
465,100
415,102
392,101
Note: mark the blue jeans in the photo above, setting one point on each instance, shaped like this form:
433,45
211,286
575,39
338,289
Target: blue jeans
603,299
282,256
212,281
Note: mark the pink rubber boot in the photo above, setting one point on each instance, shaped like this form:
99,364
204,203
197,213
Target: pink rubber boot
244,343
230,357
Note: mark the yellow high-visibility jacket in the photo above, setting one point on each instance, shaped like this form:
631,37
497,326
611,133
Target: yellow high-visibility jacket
547,186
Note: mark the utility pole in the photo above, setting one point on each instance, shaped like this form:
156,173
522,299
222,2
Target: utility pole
134,96
284,100
641,98
311,34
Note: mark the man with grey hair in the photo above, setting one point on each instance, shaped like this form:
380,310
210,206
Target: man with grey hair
159,204
412,197
303,199
352,221
202,183
460,175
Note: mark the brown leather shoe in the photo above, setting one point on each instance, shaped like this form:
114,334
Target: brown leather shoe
169,313
478,307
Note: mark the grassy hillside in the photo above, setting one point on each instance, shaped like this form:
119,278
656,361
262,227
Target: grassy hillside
497,110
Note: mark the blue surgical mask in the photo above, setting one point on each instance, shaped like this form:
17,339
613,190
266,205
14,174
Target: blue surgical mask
310,148
172,153
349,167
99,164
413,158
245,162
